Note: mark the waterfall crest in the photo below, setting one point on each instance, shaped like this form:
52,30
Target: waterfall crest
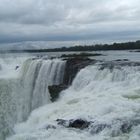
38,75
93,78
19,96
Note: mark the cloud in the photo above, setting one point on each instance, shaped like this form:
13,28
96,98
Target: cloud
61,20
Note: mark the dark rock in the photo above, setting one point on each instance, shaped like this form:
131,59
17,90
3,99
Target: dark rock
122,127
78,123
126,127
62,122
135,51
16,67
122,60
97,127
77,55
53,57
73,66
54,91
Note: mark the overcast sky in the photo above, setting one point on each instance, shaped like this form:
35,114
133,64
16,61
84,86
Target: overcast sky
69,20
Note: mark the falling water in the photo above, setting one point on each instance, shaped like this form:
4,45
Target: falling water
20,95
109,98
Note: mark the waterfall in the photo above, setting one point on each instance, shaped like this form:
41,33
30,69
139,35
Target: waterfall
20,95
93,79
37,76
51,73
108,98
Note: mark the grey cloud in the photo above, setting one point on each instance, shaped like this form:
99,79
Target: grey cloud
31,11
57,20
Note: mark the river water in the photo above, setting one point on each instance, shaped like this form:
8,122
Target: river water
108,97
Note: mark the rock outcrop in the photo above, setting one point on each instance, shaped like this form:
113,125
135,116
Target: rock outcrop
76,55
78,123
54,91
116,127
73,65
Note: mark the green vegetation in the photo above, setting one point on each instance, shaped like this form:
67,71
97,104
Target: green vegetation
100,47
97,47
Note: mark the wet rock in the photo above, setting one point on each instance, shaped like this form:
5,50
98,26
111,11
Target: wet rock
135,51
16,67
73,66
122,127
126,127
54,91
77,55
62,122
122,60
117,127
78,123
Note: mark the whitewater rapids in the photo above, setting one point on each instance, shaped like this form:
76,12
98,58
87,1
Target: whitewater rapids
105,96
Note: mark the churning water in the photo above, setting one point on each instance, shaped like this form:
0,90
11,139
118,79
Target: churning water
107,97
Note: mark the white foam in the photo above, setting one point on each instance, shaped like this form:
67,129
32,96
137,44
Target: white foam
101,95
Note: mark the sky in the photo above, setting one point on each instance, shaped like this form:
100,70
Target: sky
69,20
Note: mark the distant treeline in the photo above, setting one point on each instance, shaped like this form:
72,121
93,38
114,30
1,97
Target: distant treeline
97,47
